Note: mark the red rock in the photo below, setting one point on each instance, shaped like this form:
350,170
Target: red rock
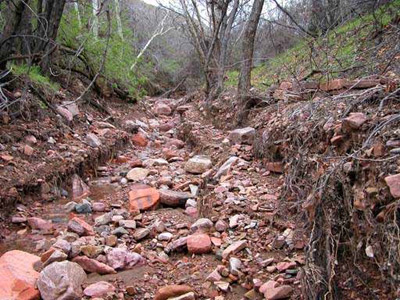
143,197
393,182
139,140
378,149
28,150
40,224
166,126
199,243
99,289
276,167
170,291
355,120
281,292
17,276
216,241
80,227
93,266
168,153
162,109
362,83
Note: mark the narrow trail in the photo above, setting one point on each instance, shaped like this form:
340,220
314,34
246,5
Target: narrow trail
214,228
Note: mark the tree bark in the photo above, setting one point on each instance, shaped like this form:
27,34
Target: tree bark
14,23
118,16
249,36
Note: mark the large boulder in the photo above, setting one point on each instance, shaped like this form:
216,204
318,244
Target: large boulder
143,197
17,276
242,136
199,243
173,198
61,281
198,164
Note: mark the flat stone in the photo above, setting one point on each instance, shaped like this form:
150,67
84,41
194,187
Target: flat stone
99,289
177,245
99,207
40,224
141,233
198,164
83,208
143,197
120,231
235,264
174,198
93,266
18,276
171,291
61,280
234,248
280,292
214,276
130,224
137,174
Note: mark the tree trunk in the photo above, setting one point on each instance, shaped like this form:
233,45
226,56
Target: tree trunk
14,22
95,8
118,16
225,38
53,11
250,31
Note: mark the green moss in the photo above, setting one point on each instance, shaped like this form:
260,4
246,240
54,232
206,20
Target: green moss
34,74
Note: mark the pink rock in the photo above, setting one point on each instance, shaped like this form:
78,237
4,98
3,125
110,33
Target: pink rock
270,284
216,241
99,289
393,182
121,259
65,113
177,245
191,211
79,189
40,224
234,248
99,207
221,226
199,243
176,143
284,265
80,227
214,276
93,266
17,276
162,109
281,292
355,120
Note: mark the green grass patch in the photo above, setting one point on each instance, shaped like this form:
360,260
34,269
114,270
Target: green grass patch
34,74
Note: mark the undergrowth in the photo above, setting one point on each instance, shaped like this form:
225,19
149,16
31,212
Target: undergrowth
349,47
34,75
